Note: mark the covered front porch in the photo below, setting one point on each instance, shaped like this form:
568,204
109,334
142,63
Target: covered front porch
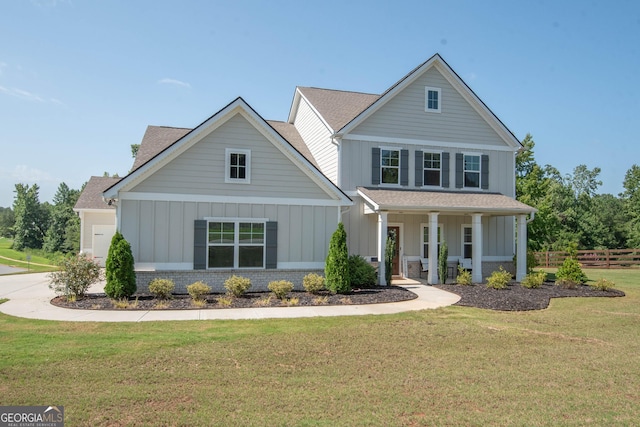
480,228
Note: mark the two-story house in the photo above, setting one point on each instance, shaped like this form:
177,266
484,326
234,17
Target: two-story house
424,162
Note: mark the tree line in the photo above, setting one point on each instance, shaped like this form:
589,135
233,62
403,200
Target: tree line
570,212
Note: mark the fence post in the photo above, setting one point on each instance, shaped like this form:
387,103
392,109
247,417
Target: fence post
608,259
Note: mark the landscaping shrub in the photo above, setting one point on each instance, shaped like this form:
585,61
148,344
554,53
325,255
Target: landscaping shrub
534,280
119,271
361,273
442,262
280,288
603,284
463,277
75,276
313,283
198,290
336,270
499,279
570,269
567,283
237,285
162,288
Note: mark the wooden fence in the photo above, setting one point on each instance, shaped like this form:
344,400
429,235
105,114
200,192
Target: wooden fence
594,258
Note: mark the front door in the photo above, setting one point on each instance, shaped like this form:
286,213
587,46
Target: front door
394,234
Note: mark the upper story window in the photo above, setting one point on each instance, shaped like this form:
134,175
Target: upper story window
237,165
433,99
390,166
432,163
472,170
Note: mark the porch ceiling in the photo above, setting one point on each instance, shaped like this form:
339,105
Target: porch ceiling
458,202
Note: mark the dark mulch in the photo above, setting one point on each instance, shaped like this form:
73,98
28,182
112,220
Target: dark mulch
373,295
519,298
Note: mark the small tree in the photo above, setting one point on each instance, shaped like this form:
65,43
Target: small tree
570,270
75,276
336,270
442,262
120,273
389,251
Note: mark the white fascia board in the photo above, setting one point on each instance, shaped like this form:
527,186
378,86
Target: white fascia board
373,205
100,211
316,112
169,197
176,148
476,103
388,96
295,104
426,144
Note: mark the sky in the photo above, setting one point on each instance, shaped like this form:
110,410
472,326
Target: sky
80,80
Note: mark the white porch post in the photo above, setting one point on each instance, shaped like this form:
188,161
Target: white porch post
432,274
476,236
521,247
382,243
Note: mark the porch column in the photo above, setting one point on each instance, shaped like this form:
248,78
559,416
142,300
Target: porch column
382,243
521,248
432,274
476,238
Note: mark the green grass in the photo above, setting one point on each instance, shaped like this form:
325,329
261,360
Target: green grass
575,363
18,259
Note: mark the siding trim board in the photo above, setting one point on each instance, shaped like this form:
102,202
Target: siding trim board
427,143
168,197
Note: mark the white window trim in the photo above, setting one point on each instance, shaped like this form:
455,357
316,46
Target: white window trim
236,243
479,155
462,243
227,166
423,168
426,99
399,150
422,242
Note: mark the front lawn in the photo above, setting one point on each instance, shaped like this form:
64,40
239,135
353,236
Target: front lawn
575,363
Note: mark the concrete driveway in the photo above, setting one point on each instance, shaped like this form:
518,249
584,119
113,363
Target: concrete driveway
29,296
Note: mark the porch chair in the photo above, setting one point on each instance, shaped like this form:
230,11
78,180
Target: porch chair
466,264
424,266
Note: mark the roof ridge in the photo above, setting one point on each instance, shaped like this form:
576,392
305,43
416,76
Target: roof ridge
339,90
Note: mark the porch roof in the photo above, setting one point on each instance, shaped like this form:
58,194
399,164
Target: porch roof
456,202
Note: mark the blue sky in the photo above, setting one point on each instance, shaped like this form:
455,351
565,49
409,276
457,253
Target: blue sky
80,80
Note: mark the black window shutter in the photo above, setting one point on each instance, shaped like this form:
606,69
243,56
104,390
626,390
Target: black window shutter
271,236
200,244
459,170
445,170
375,166
404,167
419,168
484,174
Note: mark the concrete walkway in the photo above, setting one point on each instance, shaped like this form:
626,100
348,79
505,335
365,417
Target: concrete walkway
29,296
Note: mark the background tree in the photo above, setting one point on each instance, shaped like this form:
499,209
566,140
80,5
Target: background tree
31,218
7,220
631,202
134,150
63,221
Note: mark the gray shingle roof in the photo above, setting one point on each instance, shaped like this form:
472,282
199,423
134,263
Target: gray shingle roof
156,139
290,133
445,201
91,196
338,107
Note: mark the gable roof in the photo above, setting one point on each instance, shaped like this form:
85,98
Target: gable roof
156,139
337,107
91,196
290,133
165,151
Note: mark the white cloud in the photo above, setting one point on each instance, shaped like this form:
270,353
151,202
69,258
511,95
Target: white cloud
174,82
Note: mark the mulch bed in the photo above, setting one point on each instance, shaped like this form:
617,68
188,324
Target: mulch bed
373,295
514,298
519,298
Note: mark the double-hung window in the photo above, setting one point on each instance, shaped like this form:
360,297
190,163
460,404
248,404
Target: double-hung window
236,244
390,166
432,163
237,166
472,170
433,99
425,240
467,241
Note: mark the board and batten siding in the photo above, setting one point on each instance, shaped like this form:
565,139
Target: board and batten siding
318,139
497,232
89,219
356,170
404,116
161,232
200,170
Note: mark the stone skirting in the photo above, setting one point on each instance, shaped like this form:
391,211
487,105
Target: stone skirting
259,278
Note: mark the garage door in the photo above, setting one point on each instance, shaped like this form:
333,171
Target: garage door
102,235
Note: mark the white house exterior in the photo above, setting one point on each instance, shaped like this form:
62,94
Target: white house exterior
426,161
